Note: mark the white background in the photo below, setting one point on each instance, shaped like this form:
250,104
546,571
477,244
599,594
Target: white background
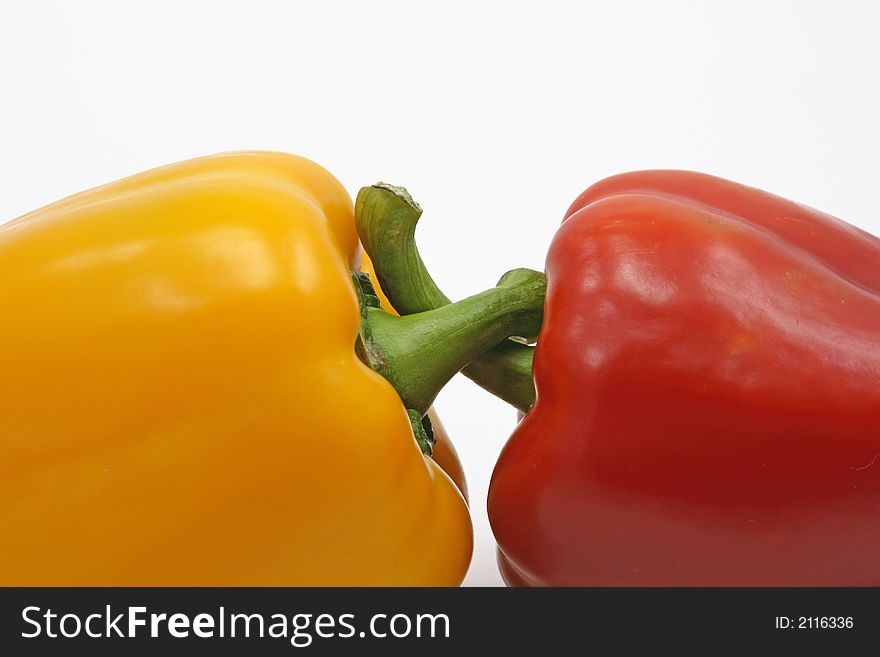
494,115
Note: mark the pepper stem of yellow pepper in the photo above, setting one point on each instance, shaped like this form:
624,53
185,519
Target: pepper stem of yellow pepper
386,218
419,353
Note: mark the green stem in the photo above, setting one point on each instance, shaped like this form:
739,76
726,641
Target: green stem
386,218
419,353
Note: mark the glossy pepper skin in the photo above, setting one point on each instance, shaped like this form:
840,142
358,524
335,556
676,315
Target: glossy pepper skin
708,411
181,402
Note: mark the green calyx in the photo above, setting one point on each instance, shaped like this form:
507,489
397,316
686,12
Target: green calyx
386,218
422,430
419,353
368,352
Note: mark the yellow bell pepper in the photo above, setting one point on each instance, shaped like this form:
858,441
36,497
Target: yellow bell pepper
182,403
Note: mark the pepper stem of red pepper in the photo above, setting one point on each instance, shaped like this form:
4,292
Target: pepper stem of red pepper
386,218
419,353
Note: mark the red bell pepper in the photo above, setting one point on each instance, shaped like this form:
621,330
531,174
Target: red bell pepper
708,411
